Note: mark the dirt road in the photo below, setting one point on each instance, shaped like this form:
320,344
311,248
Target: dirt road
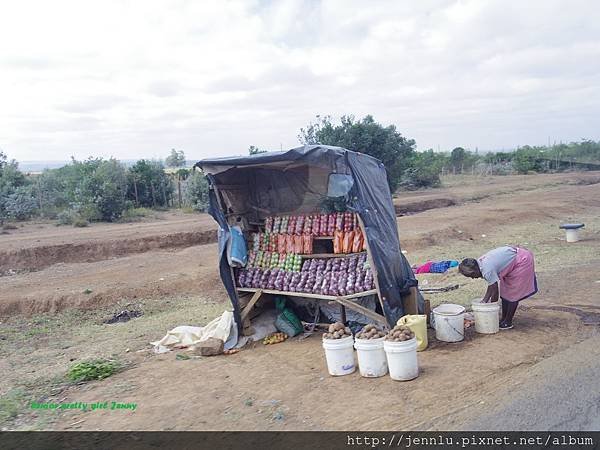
286,386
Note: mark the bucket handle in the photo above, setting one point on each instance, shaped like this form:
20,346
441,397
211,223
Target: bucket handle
462,333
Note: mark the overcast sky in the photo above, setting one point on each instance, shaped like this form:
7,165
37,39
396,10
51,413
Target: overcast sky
134,79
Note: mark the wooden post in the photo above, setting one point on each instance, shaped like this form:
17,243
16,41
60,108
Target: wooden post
410,302
372,265
251,304
342,313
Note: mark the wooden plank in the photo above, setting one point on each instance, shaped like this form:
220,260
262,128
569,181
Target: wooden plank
372,266
428,311
409,302
308,294
329,255
361,309
251,304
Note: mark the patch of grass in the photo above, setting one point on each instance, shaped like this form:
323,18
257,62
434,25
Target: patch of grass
10,404
37,331
80,223
135,214
93,370
188,210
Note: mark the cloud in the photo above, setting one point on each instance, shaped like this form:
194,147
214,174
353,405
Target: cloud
164,88
135,79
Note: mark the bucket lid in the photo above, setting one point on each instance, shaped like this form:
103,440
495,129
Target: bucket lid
449,309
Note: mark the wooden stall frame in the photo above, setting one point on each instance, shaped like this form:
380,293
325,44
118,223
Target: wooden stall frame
343,301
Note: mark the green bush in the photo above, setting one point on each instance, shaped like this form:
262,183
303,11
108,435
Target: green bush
93,370
148,185
66,217
80,223
20,204
196,194
424,171
135,214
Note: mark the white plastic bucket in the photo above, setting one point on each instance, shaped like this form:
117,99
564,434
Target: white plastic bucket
449,322
402,359
486,316
372,361
339,354
572,235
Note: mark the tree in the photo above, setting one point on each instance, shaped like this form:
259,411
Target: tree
196,193
457,158
11,179
175,159
527,159
252,150
424,170
149,185
364,136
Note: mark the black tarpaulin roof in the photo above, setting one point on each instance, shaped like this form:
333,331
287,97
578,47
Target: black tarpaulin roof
296,182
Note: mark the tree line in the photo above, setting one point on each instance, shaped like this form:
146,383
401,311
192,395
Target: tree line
98,189
408,168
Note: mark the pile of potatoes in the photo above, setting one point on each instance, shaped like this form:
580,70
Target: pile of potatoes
400,333
337,331
275,338
370,332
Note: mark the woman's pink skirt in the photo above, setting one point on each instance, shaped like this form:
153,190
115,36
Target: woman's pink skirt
517,280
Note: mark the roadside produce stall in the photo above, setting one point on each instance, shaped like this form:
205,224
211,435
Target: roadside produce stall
318,222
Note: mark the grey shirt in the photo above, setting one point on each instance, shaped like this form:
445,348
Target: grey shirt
495,261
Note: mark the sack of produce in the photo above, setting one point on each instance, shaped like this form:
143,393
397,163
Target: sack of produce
339,221
242,278
323,225
307,244
284,224
279,280
291,225
348,221
289,243
256,277
299,225
277,224
269,225
271,280
297,263
273,242
357,241
330,224
347,245
287,278
274,260
338,241
298,244
307,225
287,322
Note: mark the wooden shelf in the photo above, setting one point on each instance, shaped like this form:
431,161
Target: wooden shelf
330,255
310,295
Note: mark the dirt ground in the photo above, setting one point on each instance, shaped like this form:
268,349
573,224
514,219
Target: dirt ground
52,316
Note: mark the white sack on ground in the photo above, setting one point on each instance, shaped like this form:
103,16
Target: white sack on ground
223,328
